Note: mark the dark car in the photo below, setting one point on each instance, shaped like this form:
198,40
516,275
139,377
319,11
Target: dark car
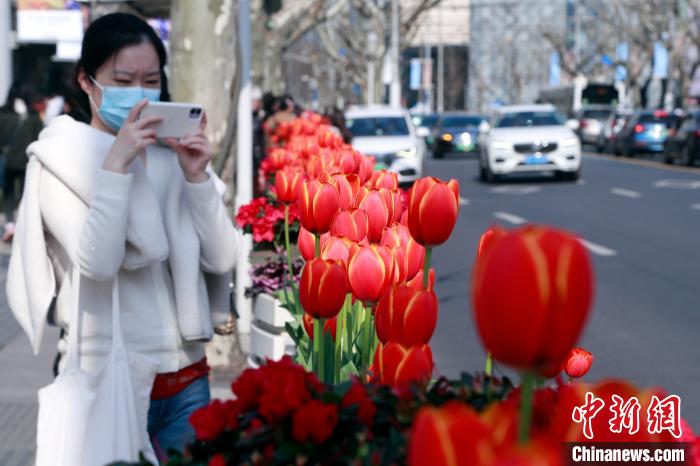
611,129
425,123
645,132
456,132
683,142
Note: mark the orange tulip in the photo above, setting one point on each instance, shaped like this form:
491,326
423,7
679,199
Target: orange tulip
451,435
531,296
352,224
370,272
379,207
287,182
397,365
329,326
318,204
322,288
406,315
432,210
578,363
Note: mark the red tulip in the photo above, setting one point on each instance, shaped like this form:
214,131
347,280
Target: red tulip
347,186
322,288
531,296
400,265
307,243
379,207
417,281
399,236
328,327
487,239
352,224
451,435
318,204
366,168
406,316
287,183
578,363
397,365
432,210
384,179
349,161
336,249
370,272
277,159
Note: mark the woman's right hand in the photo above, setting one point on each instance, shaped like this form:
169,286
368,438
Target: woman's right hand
133,137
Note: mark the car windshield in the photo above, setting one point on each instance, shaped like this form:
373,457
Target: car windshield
514,119
378,126
460,120
599,114
425,120
663,119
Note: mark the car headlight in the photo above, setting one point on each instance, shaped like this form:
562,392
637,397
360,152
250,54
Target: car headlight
447,137
407,152
569,142
501,145
466,138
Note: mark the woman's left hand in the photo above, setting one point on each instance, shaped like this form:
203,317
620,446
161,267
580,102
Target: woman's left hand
194,153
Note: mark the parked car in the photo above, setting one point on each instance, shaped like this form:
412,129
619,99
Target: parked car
456,132
528,138
389,135
683,142
611,128
425,123
645,132
590,122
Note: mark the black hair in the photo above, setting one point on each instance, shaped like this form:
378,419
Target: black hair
108,35
22,91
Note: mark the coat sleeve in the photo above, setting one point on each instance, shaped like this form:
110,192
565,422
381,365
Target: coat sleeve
96,240
219,239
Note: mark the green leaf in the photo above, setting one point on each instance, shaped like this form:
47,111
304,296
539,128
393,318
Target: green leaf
349,369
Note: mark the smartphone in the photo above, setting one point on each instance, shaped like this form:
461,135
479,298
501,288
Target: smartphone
179,119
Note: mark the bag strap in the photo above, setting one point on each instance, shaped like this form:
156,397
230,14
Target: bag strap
73,350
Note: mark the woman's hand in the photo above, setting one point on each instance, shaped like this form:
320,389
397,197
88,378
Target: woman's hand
194,153
132,139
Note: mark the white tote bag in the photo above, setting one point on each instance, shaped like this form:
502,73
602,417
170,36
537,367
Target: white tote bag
94,420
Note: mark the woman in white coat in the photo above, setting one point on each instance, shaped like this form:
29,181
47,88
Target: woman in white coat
107,198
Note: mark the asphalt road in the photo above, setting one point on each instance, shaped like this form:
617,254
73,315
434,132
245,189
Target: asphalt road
641,223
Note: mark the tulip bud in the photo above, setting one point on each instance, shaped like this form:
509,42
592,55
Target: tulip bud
351,224
318,204
578,363
307,243
329,326
322,288
336,249
397,365
384,179
366,168
406,315
379,207
347,186
531,296
432,210
287,183
370,272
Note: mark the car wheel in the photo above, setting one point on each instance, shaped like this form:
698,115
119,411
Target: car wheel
687,159
482,174
627,151
439,154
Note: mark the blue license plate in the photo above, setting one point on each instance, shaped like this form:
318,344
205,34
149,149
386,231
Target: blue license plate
536,160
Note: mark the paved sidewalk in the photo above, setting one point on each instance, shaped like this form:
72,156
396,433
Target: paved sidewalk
23,374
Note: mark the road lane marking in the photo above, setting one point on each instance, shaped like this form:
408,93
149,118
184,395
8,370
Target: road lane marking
597,248
463,201
626,193
695,206
516,189
677,184
510,218
582,182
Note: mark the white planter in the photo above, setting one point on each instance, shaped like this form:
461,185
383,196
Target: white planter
268,337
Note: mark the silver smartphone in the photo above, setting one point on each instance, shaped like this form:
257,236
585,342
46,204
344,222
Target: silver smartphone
179,119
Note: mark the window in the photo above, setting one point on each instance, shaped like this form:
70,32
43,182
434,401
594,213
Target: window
516,119
378,126
460,121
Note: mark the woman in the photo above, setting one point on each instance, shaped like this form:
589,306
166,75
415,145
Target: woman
20,125
116,204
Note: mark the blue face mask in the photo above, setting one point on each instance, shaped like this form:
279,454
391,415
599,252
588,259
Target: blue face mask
117,102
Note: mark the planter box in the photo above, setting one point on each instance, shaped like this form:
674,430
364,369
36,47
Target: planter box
268,337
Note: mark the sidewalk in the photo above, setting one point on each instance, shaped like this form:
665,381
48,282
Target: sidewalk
22,375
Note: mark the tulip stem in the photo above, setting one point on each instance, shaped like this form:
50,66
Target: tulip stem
339,332
526,393
319,344
288,248
426,266
317,245
367,330
489,364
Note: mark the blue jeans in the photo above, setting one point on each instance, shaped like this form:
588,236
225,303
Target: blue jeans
168,419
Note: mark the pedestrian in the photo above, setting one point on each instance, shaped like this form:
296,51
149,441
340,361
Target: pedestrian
108,200
20,125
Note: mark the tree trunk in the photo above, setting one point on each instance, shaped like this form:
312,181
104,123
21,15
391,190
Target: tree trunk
203,62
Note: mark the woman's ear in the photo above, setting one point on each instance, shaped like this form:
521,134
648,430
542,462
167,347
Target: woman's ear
84,81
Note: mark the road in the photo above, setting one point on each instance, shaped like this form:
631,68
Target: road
641,223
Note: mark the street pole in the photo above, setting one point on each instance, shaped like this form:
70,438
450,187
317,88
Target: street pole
441,70
395,88
6,48
371,69
244,166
